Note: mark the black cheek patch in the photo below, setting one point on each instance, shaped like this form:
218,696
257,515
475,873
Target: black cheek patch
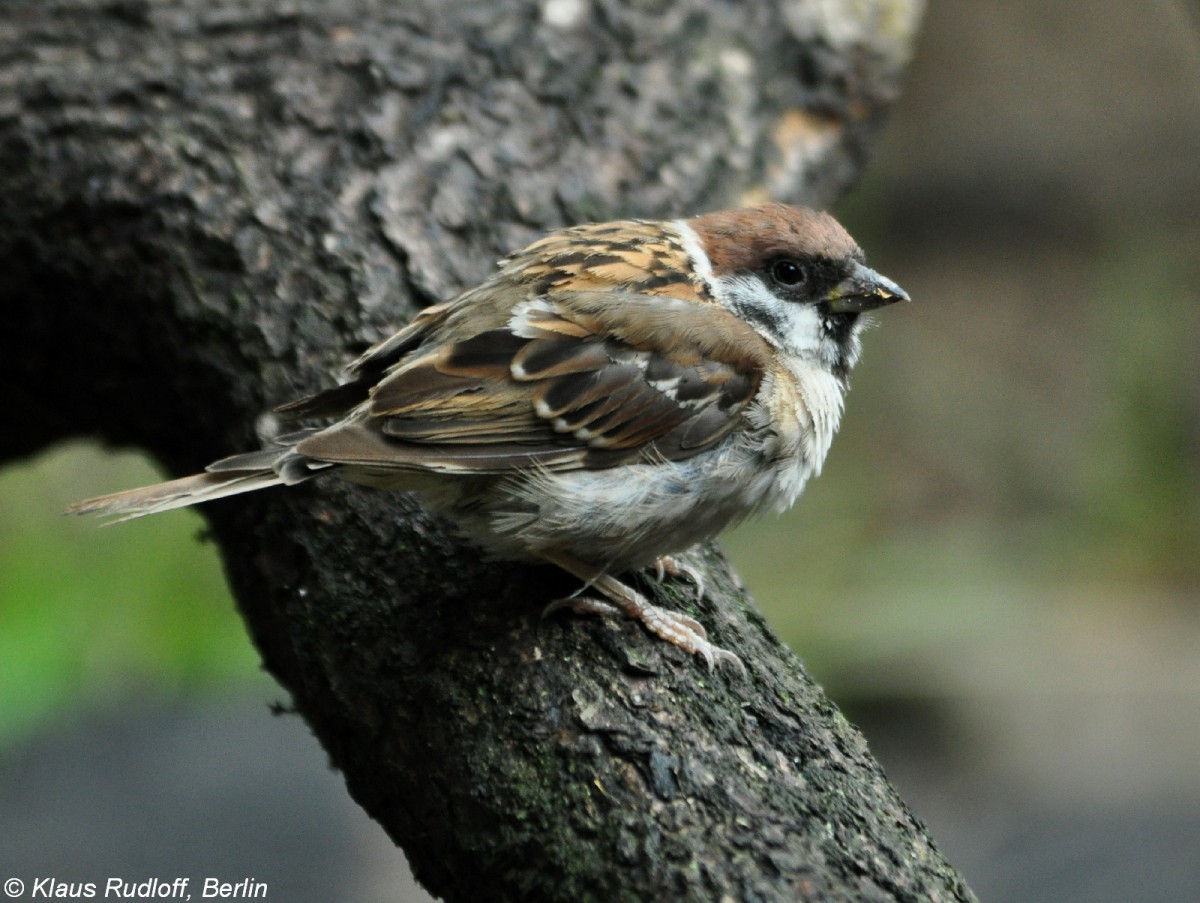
764,318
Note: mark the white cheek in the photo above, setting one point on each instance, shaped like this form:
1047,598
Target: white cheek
802,330
793,328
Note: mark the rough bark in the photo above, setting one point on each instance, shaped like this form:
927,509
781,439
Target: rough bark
206,208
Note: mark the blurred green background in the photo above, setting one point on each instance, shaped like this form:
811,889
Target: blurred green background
91,617
998,574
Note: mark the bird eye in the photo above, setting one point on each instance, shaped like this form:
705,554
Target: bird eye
788,273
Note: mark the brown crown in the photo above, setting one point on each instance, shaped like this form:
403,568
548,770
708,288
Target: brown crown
746,239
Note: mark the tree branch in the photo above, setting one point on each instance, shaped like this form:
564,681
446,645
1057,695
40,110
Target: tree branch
207,208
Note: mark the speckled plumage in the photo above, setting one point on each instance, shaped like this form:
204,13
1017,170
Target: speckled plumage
615,393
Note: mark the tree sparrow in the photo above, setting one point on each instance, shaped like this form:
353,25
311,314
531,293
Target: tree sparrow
613,394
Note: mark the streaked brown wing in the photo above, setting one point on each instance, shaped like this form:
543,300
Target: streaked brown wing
577,379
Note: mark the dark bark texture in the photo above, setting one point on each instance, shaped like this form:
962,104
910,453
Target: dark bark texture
206,208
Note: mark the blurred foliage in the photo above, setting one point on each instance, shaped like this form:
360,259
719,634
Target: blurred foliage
91,615
1140,496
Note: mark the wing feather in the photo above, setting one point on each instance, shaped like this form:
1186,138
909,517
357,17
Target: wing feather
368,368
576,379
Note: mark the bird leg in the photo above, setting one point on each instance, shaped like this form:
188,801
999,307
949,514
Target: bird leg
675,627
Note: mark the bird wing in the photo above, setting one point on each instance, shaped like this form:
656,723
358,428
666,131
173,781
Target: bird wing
368,369
572,380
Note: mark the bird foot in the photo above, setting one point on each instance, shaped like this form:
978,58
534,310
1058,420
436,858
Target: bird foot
675,627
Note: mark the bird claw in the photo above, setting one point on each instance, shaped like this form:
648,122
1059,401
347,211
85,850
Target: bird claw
669,565
675,627
688,634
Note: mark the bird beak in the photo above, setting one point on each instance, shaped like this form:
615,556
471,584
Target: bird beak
864,289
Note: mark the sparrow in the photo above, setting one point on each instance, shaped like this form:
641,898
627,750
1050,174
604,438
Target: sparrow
614,394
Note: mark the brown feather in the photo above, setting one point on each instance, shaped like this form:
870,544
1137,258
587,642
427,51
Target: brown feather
333,402
550,357
773,230
180,493
495,400
357,445
624,353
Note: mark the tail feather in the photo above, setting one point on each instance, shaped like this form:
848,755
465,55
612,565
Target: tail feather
201,487
277,465
280,455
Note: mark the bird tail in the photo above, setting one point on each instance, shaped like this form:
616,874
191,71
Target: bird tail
279,466
201,487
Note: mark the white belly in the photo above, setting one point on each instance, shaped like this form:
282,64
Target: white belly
626,517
